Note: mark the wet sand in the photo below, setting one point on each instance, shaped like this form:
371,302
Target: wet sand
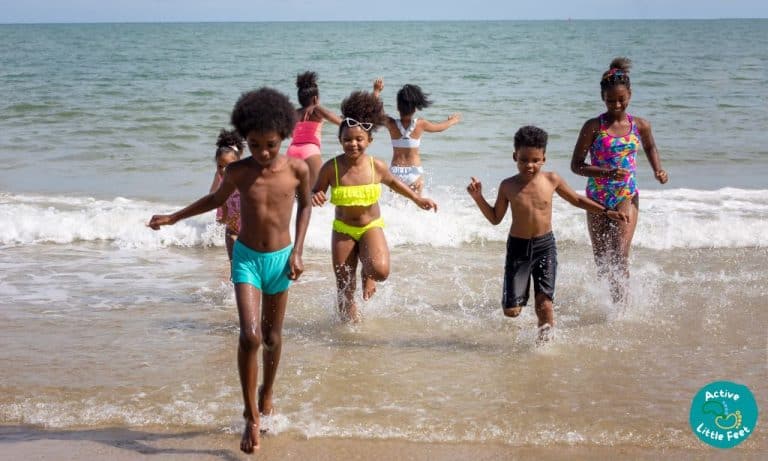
118,444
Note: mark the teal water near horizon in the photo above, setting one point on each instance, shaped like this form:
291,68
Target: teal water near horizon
106,323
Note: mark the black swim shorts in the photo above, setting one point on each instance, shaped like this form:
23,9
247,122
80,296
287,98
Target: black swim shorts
535,257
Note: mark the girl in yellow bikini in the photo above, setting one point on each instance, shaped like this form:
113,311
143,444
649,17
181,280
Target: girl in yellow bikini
355,180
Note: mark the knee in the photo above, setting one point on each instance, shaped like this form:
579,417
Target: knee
250,340
379,273
513,311
272,340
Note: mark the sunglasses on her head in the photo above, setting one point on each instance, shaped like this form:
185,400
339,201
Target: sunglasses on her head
350,122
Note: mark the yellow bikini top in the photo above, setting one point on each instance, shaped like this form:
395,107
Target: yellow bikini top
361,195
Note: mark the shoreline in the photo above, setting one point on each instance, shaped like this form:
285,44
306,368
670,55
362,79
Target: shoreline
123,444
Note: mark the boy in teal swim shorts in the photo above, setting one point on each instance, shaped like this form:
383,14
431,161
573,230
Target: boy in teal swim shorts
264,262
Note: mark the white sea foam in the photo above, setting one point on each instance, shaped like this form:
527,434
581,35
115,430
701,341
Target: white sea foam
669,219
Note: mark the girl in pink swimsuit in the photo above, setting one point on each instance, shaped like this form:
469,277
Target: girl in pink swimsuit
229,148
306,139
612,141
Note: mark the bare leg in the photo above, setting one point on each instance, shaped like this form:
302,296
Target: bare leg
611,242
272,316
314,163
624,232
344,255
544,310
374,255
247,297
598,227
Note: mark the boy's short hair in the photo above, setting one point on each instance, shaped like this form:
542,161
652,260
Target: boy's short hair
264,110
531,136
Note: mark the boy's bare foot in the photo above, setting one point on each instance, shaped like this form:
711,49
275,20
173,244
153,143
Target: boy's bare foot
546,333
369,288
513,311
349,314
250,441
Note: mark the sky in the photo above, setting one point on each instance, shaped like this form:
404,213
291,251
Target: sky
45,11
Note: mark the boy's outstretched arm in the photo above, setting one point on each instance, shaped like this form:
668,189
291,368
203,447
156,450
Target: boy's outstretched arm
493,215
303,213
564,190
402,189
206,203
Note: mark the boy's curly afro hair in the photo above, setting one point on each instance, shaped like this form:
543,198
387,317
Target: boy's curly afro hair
364,107
264,110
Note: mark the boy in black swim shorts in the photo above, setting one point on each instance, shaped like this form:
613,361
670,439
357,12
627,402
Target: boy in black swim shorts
531,250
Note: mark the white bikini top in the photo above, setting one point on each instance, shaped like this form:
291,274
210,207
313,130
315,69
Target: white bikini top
406,140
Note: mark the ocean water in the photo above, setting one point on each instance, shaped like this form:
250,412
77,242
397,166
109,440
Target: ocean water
105,323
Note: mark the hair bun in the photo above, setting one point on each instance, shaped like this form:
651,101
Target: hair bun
306,80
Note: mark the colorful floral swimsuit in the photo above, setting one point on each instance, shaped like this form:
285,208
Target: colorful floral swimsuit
611,152
232,219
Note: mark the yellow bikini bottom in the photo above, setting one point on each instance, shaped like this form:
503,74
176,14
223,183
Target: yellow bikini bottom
356,232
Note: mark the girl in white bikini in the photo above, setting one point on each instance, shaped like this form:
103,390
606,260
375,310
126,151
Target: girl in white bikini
406,133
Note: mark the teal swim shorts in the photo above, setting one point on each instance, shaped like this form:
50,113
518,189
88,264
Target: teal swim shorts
266,271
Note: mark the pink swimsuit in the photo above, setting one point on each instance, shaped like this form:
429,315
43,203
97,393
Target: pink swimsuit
232,218
306,140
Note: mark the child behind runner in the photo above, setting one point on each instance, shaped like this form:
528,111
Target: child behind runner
407,130
531,249
229,148
264,263
355,180
306,139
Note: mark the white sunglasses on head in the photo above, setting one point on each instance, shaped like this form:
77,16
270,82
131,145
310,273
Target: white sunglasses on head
350,122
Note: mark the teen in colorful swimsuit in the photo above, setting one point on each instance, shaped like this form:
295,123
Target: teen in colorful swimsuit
612,141
355,180
610,153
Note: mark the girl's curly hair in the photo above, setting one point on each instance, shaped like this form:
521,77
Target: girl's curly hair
264,110
307,88
617,74
229,141
410,98
363,107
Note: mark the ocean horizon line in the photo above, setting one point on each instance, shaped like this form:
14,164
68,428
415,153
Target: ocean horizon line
364,21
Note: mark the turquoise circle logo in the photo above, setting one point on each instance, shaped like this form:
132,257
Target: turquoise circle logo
723,414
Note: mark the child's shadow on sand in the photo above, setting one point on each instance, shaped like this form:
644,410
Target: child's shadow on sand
126,439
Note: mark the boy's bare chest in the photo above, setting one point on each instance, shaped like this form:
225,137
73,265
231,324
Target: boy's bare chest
532,197
270,188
